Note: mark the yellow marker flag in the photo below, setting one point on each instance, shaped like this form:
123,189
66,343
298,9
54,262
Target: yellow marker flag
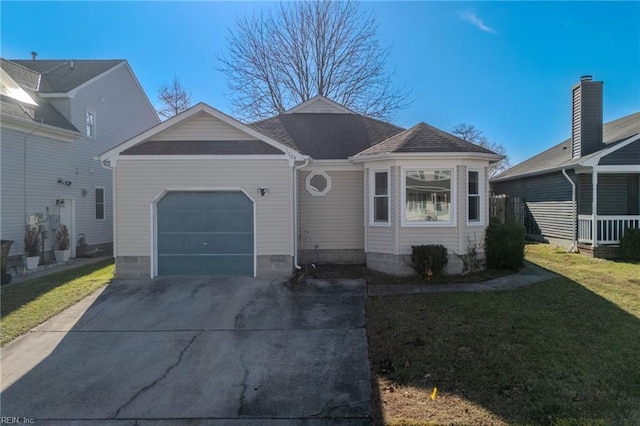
433,394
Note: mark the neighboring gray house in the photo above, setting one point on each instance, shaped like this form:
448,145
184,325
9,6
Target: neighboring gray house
586,186
205,194
56,117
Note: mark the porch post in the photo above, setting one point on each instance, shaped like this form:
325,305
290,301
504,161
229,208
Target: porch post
594,208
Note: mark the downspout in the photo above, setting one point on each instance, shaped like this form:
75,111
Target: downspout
295,212
574,211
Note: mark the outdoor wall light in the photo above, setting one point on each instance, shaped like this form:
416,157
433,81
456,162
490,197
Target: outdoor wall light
64,182
60,202
262,191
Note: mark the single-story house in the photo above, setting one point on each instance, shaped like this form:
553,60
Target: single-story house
583,192
203,193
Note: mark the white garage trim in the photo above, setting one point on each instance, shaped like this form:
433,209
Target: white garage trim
154,223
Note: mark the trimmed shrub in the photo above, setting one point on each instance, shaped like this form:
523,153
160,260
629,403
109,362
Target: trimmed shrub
504,245
427,257
630,244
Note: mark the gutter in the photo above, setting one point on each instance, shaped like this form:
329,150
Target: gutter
295,213
574,211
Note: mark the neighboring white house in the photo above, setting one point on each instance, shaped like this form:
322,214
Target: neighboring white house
205,194
56,117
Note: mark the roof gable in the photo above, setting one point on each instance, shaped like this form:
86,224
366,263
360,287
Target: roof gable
626,155
319,104
202,127
199,121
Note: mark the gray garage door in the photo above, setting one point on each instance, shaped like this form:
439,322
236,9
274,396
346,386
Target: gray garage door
205,233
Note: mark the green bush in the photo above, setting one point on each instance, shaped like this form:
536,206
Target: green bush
630,244
504,245
427,257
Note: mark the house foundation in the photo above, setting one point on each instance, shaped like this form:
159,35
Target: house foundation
401,264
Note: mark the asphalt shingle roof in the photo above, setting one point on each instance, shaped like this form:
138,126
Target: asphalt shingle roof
57,75
424,138
560,155
44,112
326,136
251,147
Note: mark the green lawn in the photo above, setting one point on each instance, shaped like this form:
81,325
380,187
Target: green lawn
25,305
562,352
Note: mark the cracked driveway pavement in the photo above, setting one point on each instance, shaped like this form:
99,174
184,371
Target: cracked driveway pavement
199,350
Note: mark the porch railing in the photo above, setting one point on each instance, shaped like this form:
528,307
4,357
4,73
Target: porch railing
610,228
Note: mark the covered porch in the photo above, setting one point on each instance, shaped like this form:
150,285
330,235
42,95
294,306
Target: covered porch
608,204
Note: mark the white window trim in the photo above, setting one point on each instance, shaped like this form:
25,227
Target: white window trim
95,123
481,195
95,204
311,189
372,193
403,200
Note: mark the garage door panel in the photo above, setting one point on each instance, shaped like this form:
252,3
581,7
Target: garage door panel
230,220
229,265
205,233
205,221
202,243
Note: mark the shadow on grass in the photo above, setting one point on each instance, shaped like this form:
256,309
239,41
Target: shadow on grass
17,295
553,353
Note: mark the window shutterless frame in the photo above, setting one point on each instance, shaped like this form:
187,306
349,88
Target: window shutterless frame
428,196
90,123
475,199
379,197
99,203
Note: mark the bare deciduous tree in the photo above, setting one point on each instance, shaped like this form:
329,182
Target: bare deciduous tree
474,135
173,98
277,60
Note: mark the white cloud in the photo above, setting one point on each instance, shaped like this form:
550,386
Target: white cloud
471,17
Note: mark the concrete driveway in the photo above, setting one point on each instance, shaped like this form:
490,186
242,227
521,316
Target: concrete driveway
198,351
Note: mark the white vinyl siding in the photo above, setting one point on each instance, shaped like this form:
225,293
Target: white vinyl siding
381,239
140,181
334,221
202,127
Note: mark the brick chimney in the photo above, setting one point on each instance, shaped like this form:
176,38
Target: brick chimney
586,117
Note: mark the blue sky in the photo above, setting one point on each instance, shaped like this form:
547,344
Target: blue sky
505,67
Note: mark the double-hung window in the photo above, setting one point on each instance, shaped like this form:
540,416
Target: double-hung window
428,197
90,121
474,210
380,198
475,203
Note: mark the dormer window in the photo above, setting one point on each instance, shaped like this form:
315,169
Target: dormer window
91,124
